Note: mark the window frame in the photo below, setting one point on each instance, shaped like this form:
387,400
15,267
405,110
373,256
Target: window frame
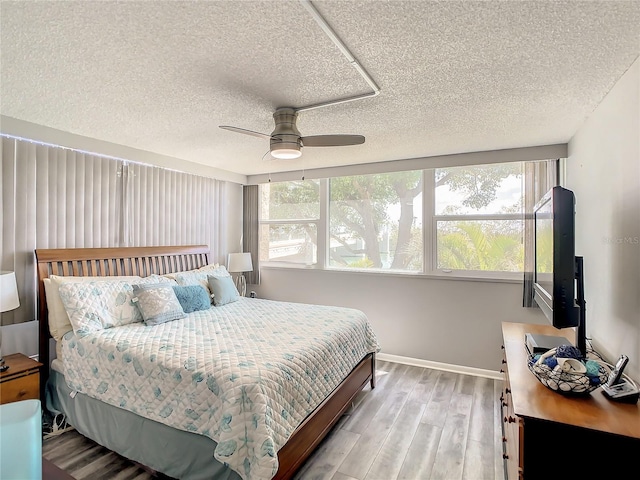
320,231
489,274
329,267
432,218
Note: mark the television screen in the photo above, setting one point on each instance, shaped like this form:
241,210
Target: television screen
555,261
544,247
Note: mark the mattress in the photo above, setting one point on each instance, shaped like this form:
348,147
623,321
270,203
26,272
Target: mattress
245,374
57,366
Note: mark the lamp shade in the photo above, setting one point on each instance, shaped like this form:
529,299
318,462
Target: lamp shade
240,262
8,292
21,439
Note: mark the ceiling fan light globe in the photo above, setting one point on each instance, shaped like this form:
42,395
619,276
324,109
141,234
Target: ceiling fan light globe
286,153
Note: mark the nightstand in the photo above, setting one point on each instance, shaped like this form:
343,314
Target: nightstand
21,381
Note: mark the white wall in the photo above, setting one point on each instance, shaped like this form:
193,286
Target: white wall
603,170
457,322
20,338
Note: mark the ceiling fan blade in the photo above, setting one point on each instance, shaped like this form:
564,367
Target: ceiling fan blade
331,140
246,132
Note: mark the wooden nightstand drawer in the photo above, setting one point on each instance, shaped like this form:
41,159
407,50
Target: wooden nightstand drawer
22,388
21,381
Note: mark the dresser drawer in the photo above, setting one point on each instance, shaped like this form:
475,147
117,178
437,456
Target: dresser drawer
26,387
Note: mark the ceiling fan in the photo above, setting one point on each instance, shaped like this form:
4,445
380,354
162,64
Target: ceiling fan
285,140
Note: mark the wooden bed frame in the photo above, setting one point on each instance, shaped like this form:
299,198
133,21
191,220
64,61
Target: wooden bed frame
144,261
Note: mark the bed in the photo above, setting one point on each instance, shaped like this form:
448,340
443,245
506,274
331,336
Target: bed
226,427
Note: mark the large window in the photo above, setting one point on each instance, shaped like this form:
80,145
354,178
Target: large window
478,218
455,219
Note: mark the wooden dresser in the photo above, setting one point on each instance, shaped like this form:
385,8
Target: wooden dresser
549,435
21,381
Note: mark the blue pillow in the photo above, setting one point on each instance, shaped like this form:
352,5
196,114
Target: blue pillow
223,289
192,297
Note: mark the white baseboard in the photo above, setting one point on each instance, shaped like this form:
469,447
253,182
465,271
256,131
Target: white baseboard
418,362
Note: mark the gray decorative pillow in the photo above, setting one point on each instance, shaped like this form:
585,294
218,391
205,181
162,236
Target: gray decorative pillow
157,303
223,290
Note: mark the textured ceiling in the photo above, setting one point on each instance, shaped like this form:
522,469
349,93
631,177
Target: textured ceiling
454,76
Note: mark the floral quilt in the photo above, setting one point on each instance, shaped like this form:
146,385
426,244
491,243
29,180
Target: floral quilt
245,374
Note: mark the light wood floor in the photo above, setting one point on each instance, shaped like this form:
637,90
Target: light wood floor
417,424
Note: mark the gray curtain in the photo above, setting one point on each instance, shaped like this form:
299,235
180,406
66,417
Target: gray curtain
251,230
539,178
54,197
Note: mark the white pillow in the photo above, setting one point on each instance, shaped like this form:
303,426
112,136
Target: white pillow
98,305
207,268
172,276
219,271
102,304
155,278
59,323
193,278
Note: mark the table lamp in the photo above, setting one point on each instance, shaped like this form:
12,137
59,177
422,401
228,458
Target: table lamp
21,440
8,301
240,263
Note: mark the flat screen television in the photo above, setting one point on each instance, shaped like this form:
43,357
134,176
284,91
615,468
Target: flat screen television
558,285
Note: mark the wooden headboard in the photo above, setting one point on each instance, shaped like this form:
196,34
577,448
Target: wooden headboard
84,262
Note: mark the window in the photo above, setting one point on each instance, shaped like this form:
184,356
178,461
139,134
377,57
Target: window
478,218
375,221
464,219
289,217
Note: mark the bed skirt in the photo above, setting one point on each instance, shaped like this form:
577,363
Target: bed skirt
175,453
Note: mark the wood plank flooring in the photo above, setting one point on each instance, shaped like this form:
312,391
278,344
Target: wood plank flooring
417,424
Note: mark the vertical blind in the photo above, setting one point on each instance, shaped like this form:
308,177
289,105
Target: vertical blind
166,207
54,197
251,230
539,177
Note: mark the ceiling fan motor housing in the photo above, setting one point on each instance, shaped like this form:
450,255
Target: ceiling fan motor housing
286,135
285,140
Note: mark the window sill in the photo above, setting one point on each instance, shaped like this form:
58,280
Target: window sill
457,275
